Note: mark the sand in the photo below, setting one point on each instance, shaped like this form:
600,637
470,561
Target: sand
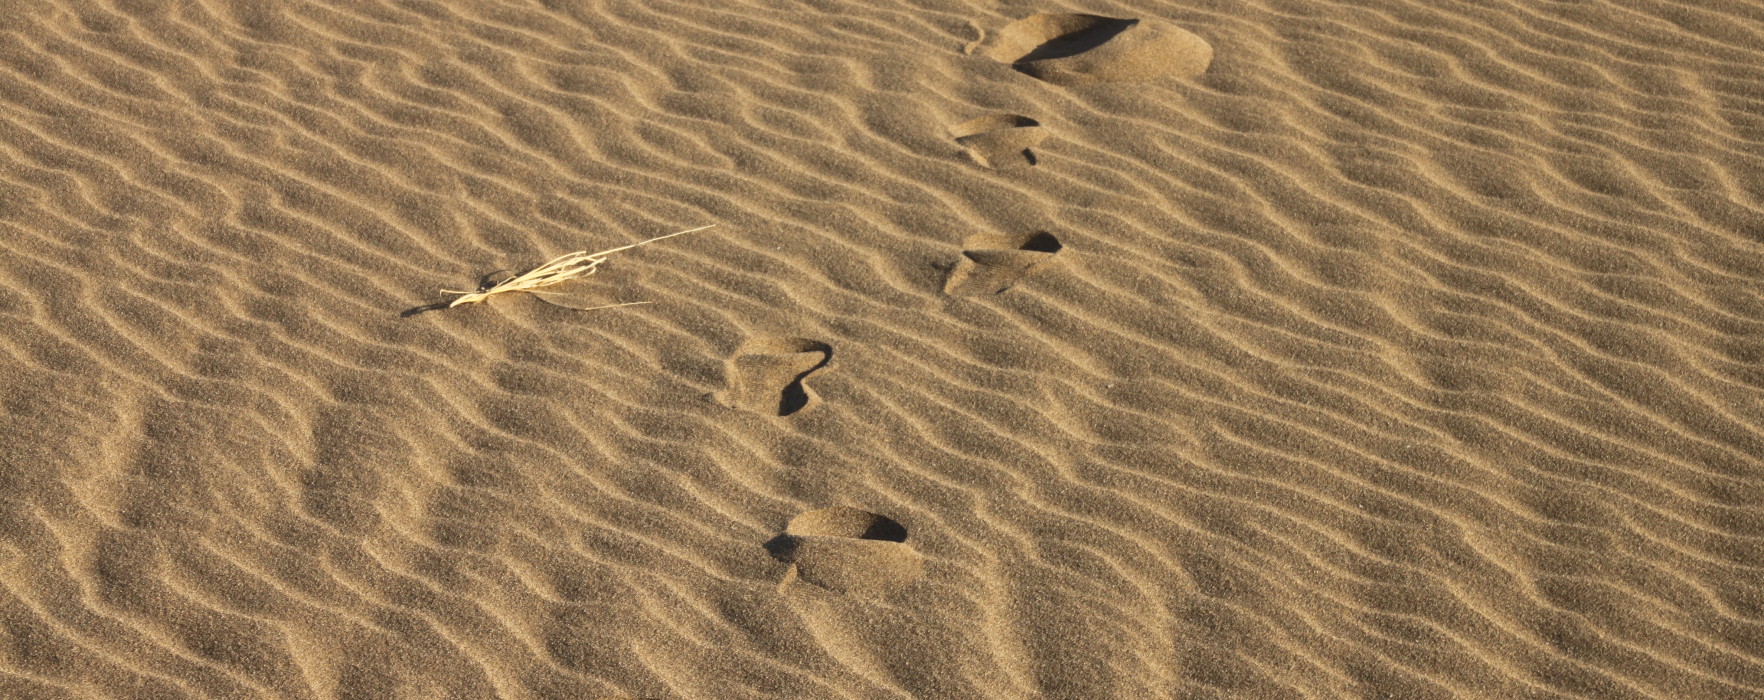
1089,350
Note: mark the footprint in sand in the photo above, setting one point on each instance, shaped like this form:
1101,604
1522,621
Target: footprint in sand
766,374
1068,49
1000,141
993,263
848,551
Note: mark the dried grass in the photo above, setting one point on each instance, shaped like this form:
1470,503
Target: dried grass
560,269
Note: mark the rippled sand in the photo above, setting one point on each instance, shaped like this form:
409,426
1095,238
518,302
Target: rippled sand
1248,349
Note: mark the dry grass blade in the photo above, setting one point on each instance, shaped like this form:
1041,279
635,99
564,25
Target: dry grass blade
560,269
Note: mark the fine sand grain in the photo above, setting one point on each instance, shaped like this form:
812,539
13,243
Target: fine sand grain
1075,350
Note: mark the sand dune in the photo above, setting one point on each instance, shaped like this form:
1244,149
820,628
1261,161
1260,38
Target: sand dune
1264,349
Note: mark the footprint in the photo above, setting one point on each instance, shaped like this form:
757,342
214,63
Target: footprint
848,551
1000,141
993,263
767,374
1066,49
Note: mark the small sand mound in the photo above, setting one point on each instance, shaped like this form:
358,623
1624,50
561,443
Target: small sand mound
1069,49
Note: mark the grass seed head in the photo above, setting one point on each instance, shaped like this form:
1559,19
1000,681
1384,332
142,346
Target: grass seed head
560,269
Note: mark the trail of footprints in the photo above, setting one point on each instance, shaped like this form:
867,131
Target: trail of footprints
846,550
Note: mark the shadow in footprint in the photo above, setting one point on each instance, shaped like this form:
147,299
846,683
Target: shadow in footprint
993,263
847,550
1069,49
1000,141
767,374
